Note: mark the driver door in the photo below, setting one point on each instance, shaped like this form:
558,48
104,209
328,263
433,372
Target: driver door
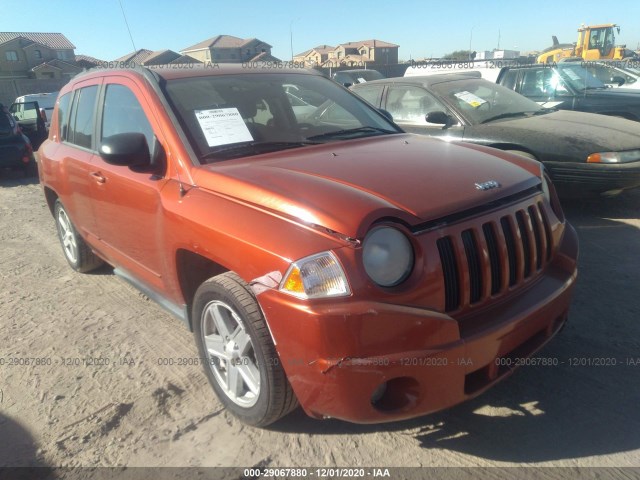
31,122
127,202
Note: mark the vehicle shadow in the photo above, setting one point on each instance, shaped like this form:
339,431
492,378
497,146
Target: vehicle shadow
587,404
17,447
16,178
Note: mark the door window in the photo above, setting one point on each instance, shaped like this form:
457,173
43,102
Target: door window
122,113
81,132
63,115
410,104
371,93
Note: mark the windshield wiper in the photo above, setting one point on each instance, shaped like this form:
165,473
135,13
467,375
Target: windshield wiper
508,115
352,131
253,148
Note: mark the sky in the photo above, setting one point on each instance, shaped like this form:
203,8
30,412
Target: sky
422,28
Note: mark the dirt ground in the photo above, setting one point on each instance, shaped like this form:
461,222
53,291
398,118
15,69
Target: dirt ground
61,404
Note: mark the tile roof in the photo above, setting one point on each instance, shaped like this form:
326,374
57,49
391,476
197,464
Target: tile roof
88,58
265,57
368,43
52,40
222,41
182,59
320,49
160,57
138,56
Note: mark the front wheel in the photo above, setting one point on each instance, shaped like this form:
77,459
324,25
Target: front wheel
241,360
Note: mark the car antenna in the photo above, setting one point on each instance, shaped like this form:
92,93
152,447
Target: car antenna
135,51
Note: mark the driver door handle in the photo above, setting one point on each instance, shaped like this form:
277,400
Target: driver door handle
98,177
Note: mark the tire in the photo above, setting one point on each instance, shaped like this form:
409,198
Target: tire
241,360
522,154
76,251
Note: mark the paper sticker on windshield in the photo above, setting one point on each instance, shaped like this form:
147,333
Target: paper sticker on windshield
361,80
223,126
468,97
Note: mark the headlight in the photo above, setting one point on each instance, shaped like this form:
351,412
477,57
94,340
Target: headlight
387,256
317,276
614,157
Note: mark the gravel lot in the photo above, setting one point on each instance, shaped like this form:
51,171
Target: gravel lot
58,409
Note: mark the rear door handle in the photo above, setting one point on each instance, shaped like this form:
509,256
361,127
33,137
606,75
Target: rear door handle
98,177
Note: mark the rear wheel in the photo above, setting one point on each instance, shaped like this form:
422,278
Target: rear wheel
76,251
241,360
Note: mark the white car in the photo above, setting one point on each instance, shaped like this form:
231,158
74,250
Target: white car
489,69
46,101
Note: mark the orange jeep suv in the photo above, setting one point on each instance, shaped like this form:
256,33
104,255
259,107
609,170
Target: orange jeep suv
320,255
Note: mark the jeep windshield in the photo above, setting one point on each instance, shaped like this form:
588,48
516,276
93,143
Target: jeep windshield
232,116
480,101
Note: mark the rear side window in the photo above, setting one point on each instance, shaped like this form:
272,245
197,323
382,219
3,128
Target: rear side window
63,116
509,80
371,93
81,128
123,114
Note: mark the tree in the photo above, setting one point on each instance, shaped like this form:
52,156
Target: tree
459,55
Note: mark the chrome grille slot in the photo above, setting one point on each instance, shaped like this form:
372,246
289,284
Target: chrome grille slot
526,244
494,257
450,273
501,255
511,249
473,262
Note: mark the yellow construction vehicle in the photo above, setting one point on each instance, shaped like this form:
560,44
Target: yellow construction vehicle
595,42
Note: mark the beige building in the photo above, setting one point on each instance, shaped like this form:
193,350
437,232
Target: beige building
315,56
363,53
36,55
230,49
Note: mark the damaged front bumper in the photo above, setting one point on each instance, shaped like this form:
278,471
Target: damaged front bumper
370,362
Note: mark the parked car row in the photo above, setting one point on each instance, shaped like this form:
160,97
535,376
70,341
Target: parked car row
584,153
569,86
16,150
23,128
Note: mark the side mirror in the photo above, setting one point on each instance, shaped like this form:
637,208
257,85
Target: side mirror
126,149
439,118
386,114
347,84
618,80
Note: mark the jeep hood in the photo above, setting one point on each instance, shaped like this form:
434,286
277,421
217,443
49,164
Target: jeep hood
344,186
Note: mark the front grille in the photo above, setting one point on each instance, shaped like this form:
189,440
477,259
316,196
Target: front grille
483,262
450,270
